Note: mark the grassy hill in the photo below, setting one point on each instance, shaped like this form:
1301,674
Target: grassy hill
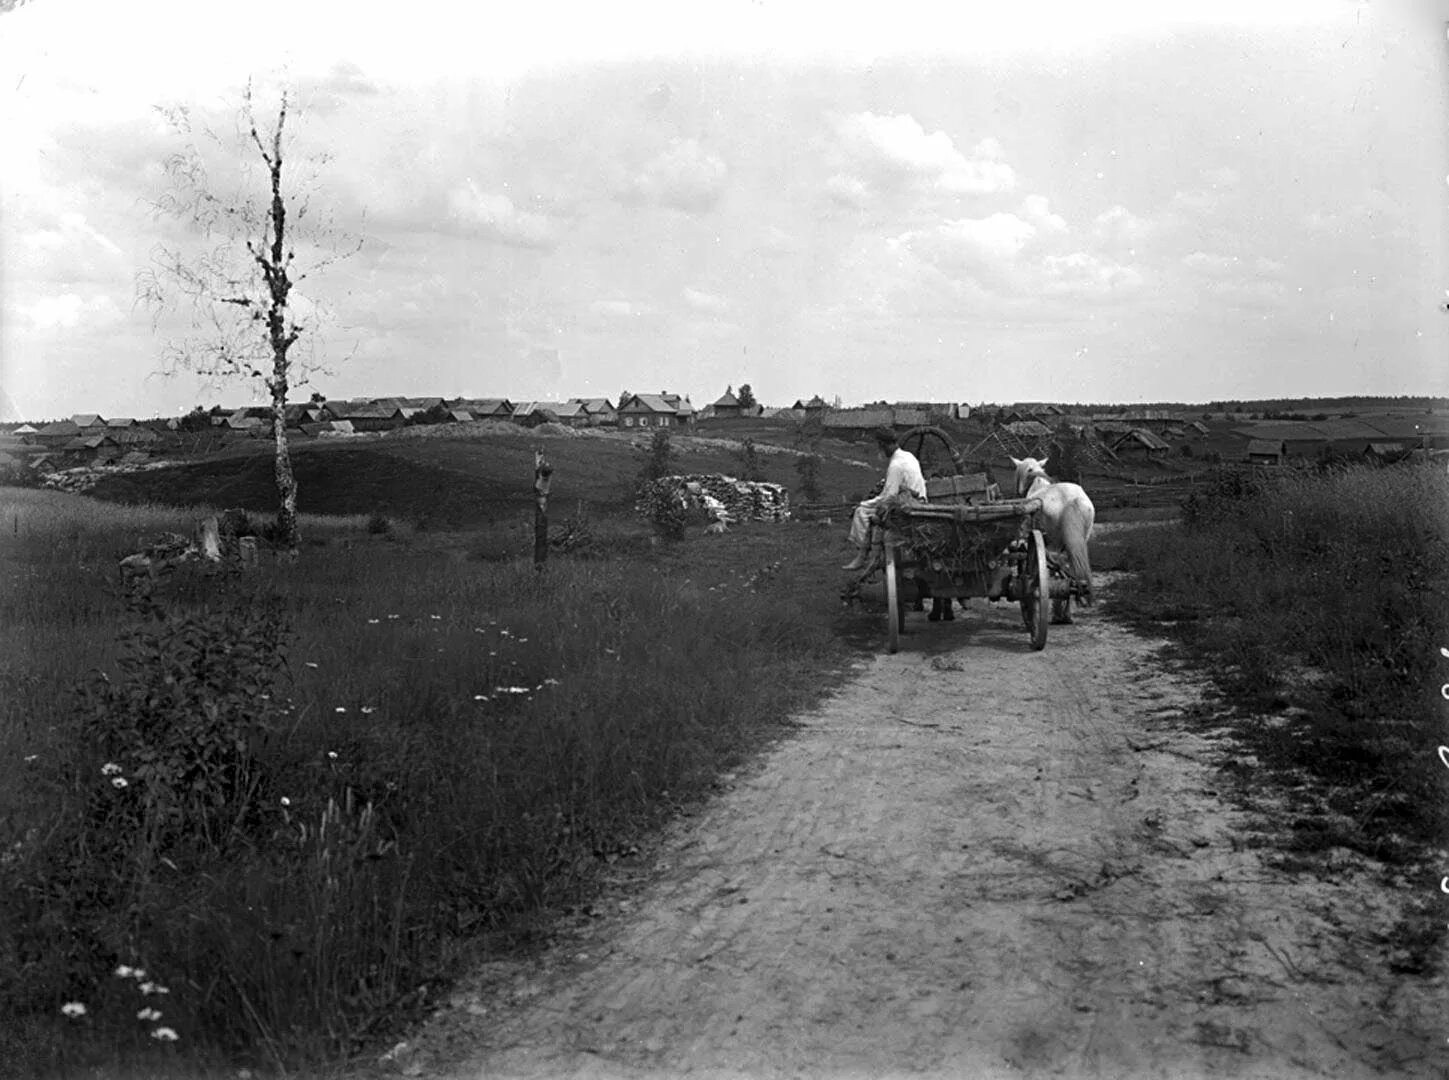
462,481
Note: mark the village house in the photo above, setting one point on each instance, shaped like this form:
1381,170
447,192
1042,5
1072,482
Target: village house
599,411
1140,443
726,406
533,413
655,410
486,408
1267,451
367,415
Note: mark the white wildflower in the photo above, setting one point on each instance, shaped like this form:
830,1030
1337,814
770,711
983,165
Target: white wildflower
110,768
286,801
332,754
435,616
309,663
165,1034
368,710
550,682
119,782
30,757
73,1009
149,1014
373,622
124,972
480,697
340,708
152,988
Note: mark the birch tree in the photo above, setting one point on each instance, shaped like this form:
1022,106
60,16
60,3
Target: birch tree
236,273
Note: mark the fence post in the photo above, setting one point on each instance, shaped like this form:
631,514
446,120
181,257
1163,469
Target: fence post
542,473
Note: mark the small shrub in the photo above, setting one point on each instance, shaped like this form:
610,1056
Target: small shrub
751,467
662,460
808,469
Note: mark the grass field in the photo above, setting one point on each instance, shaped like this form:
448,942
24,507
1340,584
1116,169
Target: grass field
442,747
347,776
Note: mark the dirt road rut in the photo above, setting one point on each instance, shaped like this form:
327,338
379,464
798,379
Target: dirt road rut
971,861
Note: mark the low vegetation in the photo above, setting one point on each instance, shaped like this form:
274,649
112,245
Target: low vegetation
293,797
1321,601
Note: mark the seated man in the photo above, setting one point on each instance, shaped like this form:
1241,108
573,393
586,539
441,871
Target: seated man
903,473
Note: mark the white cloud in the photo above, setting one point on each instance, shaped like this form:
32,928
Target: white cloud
1037,210
995,239
1087,275
495,215
898,147
685,176
1119,229
617,309
66,311
847,190
1212,265
700,300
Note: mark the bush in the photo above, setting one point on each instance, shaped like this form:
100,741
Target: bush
751,468
662,460
379,525
808,469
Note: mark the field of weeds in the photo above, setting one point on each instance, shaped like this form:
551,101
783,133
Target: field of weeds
1320,600
296,797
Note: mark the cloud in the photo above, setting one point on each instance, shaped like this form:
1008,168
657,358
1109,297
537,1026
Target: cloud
685,176
1119,229
706,302
1212,265
1085,275
848,190
495,216
66,311
897,148
617,309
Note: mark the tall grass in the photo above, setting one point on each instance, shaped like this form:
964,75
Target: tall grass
434,746
1330,592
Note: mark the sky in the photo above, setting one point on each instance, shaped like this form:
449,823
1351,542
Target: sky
1114,202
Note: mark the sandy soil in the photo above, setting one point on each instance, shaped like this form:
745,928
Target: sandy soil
971,860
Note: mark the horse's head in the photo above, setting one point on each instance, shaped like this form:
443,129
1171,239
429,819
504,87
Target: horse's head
1027,470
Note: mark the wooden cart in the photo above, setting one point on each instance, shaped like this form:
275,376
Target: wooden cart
966,541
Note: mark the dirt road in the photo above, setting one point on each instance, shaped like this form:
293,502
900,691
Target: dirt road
971,861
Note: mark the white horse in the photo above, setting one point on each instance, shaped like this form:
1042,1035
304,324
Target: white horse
1066,517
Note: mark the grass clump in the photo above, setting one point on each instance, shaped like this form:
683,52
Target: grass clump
1325,596
342,773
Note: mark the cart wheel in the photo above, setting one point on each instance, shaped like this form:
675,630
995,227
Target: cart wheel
1036,591
894,612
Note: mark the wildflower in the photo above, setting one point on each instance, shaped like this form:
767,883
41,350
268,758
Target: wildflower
149,1014
480,697
30,757
286,801
522,640
511,690
550,682
110,768
332,754
124,972
73,1009
165,1034
368,710
152,988
435,616
118,782
340,709
393,616
309,663
373,622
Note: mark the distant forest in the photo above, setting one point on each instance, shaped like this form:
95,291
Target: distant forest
1281,405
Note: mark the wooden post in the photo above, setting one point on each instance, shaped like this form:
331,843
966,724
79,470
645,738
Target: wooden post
542,472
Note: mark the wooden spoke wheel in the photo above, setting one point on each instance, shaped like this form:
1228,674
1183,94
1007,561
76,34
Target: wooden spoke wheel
1036,590
894,612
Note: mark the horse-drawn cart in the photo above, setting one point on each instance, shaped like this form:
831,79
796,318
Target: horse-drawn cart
964,541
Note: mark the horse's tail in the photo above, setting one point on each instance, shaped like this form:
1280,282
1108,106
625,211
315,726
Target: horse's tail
1076,529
